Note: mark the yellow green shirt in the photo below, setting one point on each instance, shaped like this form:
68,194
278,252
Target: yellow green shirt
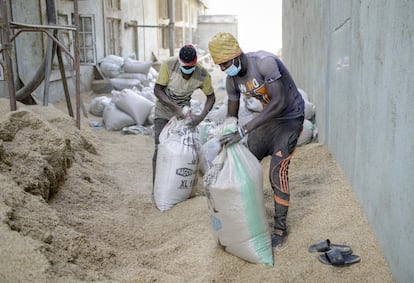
179,89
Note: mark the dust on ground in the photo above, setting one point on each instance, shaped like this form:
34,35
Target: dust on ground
75,206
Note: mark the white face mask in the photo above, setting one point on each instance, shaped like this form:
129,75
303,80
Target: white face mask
233,70
187,71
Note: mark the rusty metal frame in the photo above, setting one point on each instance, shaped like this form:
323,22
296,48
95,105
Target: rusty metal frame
21,27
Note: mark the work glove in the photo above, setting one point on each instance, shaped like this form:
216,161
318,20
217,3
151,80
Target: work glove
234,137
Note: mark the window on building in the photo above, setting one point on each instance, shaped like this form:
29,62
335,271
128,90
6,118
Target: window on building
87,39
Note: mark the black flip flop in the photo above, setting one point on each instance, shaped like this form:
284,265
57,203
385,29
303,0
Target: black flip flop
336,258
326,245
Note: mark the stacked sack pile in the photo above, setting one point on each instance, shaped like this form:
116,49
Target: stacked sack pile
130,107
126,110
127,72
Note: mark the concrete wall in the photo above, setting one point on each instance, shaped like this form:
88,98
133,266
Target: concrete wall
143,13
209,25
355,59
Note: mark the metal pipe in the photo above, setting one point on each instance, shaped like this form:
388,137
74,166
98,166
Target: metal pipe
77,63
50,35
50,50
171,26
130,25
8,70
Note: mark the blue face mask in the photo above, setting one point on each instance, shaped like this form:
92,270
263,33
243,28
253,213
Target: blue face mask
187,71
233,70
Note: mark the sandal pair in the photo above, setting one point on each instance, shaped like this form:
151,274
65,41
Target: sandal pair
334,254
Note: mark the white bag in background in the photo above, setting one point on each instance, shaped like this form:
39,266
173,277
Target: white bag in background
307,133
120,83
98,104
234,189
252,104
135,66
116,119
310,108
137,106
177,160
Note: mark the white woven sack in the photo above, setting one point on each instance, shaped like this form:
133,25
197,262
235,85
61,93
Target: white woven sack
208,152
109,69
245,114
177,160
137,106
114,59
307,133
135,66
121,83
310,108
115,119
234,189
97,105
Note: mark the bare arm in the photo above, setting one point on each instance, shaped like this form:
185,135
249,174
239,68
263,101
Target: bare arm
233,108
211,99
196,119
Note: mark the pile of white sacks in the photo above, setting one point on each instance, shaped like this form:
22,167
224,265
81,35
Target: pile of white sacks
127,72
131,104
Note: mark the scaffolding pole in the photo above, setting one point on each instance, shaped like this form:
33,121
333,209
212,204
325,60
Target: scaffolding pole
77,63
6,49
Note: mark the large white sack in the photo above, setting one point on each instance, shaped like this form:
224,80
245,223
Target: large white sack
122,83
137,106
234,189
218,113
305,96
245,114
143,78
208,153
177,160
109,69
207,130
116,119
146,92
306,135
97,105
310,108
118,60
152,74
135,66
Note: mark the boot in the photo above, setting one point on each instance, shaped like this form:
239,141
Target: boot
280,234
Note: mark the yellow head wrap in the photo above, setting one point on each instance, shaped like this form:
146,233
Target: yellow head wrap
224,47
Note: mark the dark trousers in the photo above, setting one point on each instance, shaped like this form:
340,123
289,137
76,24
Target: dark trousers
277,138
